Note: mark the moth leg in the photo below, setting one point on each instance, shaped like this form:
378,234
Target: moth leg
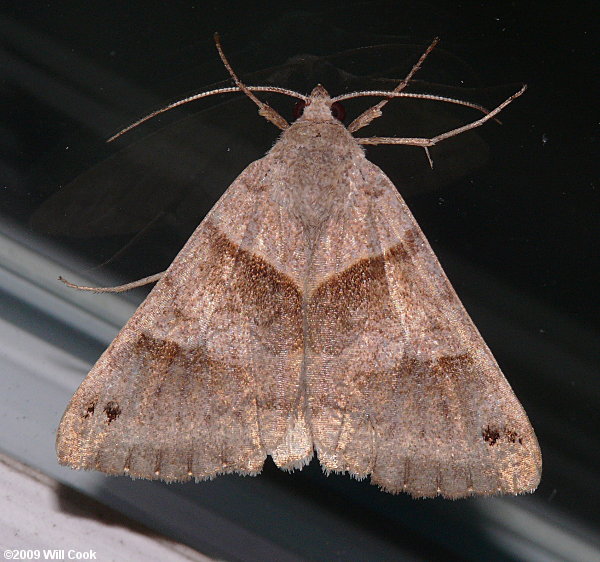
119,288
375,111
415,141
264,109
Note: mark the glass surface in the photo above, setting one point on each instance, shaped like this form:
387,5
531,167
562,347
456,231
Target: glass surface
511,211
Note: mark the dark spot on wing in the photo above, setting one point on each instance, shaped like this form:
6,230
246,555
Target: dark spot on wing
89,409
112,411
490,435
494,435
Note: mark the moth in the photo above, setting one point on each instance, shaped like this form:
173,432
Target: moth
306,314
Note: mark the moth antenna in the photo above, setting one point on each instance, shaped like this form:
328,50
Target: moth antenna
375,111
434,140
263,109
391,94
171,106
230,89
119,288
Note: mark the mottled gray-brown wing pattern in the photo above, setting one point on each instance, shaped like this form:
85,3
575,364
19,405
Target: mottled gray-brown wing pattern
203,378
307,312
401,385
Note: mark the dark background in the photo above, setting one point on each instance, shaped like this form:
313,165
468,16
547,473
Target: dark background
517,211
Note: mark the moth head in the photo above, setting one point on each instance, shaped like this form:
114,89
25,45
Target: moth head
319,107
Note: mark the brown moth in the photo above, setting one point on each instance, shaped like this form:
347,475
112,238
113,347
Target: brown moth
307,313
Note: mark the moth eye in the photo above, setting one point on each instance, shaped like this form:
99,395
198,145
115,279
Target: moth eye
299,109
338,111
